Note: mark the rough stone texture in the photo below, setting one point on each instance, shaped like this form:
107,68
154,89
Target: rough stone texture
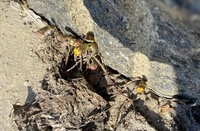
134,39
183,11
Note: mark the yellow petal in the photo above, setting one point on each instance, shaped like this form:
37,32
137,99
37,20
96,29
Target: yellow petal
140,89
77,51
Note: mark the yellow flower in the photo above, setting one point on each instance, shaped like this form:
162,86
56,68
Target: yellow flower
78,51
140,89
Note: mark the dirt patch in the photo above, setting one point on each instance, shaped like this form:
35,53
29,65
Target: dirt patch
20,67
74,96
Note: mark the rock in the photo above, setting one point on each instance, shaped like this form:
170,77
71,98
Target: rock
134,38
185,11
192,5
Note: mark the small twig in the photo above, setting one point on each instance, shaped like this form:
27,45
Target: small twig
73,66
67,54
81,63
102,67
107,77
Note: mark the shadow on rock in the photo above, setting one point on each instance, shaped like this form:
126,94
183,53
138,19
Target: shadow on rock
170,43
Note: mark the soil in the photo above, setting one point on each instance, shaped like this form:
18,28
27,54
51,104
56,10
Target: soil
45,86
21,69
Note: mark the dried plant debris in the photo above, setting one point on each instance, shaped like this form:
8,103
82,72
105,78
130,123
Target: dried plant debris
80,93
69,106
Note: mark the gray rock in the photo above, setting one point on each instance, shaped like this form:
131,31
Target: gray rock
184,11
191,5
133,38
